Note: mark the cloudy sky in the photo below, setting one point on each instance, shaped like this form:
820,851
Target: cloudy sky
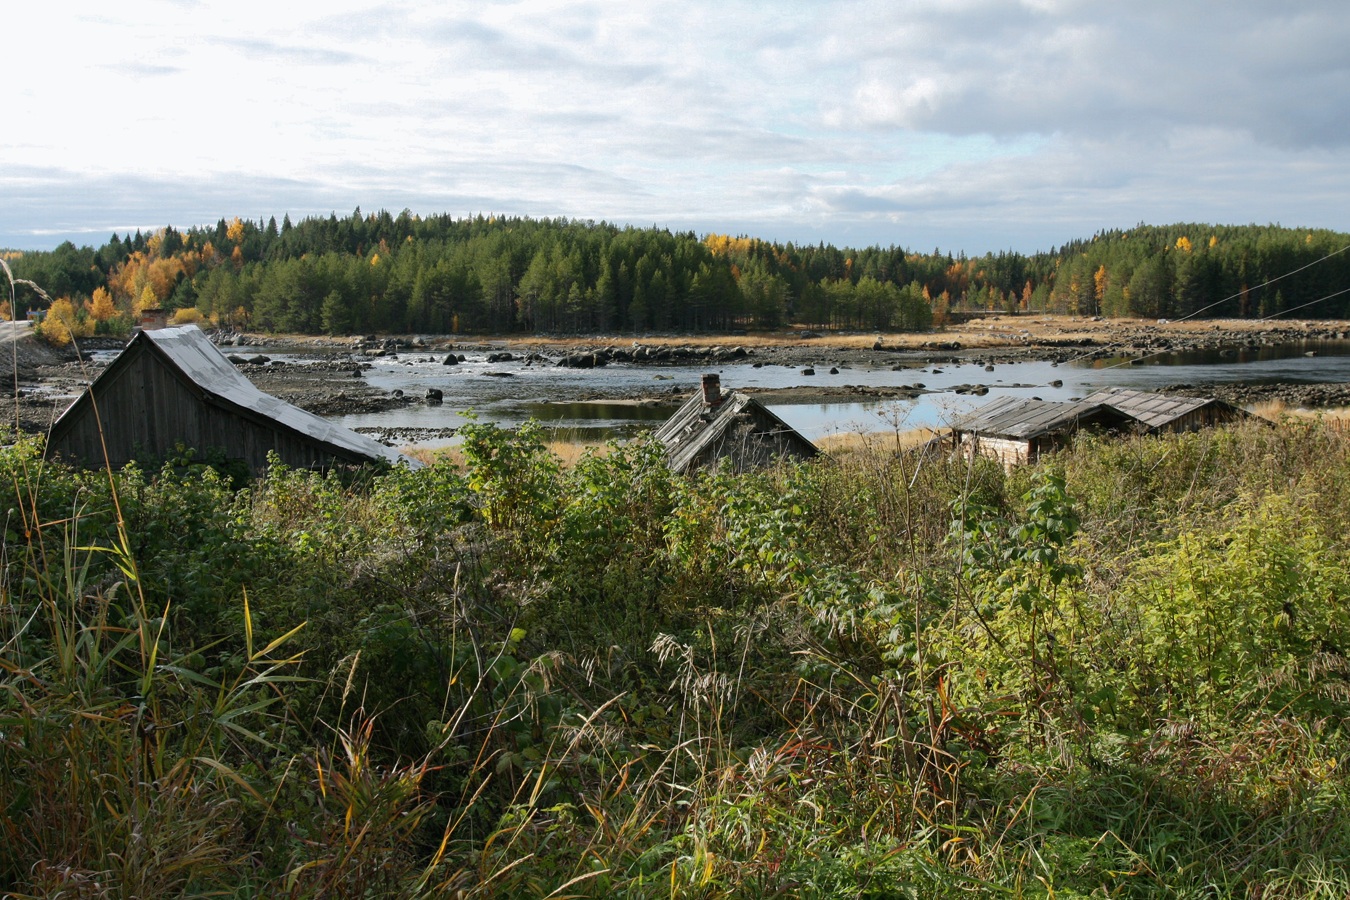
968,125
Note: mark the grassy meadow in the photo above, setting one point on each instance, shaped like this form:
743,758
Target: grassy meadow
1118,673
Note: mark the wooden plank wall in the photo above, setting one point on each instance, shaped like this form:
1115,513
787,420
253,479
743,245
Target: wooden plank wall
1206,416
1009,451
147,409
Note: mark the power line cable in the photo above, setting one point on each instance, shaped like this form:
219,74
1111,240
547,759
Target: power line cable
1225,300
1138,359
1266,284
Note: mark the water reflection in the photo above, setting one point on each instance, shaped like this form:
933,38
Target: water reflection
567,398
599,412
1230,355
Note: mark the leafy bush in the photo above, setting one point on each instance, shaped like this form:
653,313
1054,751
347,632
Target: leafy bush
884,674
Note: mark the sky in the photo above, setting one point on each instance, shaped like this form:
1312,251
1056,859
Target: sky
966,125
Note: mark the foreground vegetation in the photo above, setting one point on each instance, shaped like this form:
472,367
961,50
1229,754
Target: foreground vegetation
439,274
1121,673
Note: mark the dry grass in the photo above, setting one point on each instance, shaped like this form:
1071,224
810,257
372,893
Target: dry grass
1275,410
431,455
873,441
568,453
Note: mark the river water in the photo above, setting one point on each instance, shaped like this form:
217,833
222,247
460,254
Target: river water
571,401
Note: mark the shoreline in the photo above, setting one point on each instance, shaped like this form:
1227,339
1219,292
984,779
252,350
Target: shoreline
1019,333
992,340
333,384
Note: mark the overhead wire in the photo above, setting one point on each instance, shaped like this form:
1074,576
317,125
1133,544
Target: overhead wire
1137,359
1267,284
1192,315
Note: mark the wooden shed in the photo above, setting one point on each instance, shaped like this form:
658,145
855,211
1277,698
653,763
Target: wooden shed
715,424
173,387
1016,430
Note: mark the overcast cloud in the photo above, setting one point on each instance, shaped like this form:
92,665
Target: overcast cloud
971,125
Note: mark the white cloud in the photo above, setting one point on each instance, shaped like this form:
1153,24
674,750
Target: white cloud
1278,73
980,124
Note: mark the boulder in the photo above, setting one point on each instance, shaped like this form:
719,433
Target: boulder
578,361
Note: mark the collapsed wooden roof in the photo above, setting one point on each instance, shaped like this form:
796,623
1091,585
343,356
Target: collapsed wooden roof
715,424
141,411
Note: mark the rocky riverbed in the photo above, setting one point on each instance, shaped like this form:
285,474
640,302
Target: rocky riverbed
332,380
333,387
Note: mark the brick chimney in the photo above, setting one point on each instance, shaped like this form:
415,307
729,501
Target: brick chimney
712,390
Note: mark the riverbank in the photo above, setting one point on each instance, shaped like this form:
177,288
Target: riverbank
991,341
1044,336
328,376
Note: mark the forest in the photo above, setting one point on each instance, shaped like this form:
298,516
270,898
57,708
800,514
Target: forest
405,273
1120,672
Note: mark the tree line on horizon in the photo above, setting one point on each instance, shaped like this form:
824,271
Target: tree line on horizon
405,273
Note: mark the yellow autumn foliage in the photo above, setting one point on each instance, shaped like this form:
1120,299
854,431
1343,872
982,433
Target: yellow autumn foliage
64,323
101,307
725,244
147,300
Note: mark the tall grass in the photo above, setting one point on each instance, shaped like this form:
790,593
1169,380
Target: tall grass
883,673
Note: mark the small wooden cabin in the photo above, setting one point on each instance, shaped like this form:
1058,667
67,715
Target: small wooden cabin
1015,430
172,387
715,424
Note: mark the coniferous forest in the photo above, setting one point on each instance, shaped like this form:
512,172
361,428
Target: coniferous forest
405,273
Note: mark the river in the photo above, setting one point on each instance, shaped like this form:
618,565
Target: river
574,401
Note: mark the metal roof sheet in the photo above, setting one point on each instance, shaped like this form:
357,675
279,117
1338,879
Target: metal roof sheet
193,354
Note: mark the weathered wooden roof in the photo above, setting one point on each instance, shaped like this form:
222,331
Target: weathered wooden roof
1025,419
1154,410
192,354
696,427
